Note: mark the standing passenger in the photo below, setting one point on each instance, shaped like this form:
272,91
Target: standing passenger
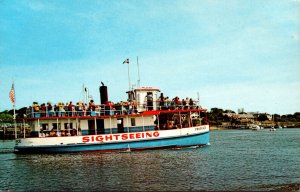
70,109
191,103
161,101
183,103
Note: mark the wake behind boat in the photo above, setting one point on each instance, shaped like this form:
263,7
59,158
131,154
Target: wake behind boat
148,120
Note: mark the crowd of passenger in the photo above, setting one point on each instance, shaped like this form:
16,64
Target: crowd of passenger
176,103
109,108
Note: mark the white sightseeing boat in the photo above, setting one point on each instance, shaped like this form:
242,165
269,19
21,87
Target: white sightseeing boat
147,121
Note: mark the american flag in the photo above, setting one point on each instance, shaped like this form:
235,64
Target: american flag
12,94
126,61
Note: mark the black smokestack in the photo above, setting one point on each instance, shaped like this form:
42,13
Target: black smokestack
103,93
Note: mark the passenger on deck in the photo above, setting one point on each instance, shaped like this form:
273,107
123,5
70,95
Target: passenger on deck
183,103
98,110
92,108
161,101
123,109
66,108
43,110
73,132
167,102
130,109
80,108
85,109
109,109
177,102
56,109
70,109
149,99
186,103
36,109
52,133
92,105
191,103
50,109
61,109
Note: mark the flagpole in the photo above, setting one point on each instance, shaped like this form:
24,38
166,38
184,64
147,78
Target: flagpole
15,121
12,96
128,77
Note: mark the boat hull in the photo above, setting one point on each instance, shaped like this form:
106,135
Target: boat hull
161,139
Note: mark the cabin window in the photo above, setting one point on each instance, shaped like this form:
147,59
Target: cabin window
45,126
54,126
132,121
68,125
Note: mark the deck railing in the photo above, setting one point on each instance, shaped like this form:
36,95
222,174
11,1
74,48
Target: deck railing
104,110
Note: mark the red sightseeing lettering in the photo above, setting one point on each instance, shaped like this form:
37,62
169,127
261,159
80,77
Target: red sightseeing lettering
148,134
99,138
124,136
156,134
138,135
85,139
108,137
117,137
131,136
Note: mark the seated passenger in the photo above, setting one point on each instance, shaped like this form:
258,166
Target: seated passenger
52,133
73,132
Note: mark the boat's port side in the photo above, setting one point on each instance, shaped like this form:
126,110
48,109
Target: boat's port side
161,120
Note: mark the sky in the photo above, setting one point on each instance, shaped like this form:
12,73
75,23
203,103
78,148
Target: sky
234,54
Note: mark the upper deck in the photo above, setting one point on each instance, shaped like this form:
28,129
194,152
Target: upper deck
108,110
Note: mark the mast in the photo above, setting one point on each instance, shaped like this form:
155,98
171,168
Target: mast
139,79
83,95
129,86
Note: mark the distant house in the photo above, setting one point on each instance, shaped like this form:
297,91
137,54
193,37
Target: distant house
246,117
233,115
268,116
243,116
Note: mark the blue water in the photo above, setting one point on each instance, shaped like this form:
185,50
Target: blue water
236,160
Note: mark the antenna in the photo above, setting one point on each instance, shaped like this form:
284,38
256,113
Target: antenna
139,79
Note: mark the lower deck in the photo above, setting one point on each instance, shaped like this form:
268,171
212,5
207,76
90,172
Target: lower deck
77,126
176,138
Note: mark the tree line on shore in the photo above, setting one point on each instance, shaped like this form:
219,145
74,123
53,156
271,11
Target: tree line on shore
217,116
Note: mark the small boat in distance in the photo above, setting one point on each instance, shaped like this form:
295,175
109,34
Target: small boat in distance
254,127
147,120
